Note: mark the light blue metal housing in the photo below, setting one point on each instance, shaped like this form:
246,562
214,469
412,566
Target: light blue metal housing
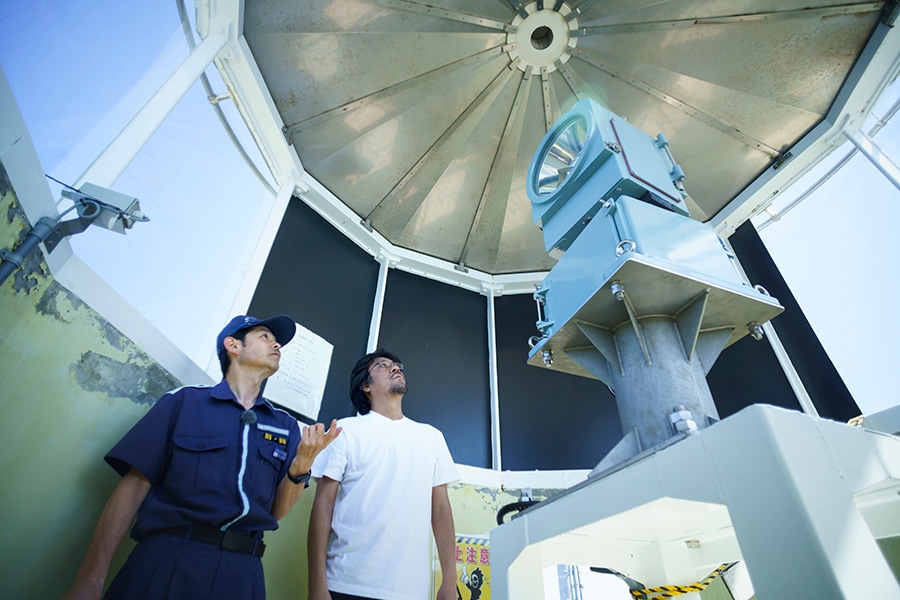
592,155
626,230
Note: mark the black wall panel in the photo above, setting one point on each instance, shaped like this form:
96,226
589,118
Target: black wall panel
548,420
827,390
327,284
440,333
746,373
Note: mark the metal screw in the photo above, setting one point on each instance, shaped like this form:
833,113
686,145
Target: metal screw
548,357
756,330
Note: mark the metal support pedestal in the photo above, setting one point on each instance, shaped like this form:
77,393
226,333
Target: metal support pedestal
644,301
656,377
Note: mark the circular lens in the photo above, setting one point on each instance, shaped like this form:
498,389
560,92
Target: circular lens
561,157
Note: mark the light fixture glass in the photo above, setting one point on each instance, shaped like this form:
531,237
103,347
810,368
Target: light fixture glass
588,158
561,156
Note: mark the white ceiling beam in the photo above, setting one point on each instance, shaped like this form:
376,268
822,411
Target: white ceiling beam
875,69
115,158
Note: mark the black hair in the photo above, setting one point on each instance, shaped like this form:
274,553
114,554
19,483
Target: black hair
359,377
224,359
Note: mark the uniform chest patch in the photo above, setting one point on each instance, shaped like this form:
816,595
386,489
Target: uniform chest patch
274,434
271,437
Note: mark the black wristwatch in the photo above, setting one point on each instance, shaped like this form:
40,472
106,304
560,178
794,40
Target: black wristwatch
304,479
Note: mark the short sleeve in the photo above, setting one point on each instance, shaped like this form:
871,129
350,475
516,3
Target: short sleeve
332,461
444,467
145,446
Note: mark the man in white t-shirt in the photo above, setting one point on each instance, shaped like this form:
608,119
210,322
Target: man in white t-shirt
381,493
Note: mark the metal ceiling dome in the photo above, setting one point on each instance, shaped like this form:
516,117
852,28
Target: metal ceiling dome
423,118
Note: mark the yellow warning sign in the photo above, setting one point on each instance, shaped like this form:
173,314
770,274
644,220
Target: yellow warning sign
473,568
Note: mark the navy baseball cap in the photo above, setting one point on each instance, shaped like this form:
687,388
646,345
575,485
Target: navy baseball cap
281,326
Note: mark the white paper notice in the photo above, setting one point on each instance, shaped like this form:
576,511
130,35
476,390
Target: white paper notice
299,383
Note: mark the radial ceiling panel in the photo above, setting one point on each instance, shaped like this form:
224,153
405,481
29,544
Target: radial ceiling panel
423,117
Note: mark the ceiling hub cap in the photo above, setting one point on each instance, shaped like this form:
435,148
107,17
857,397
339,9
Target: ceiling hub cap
542,38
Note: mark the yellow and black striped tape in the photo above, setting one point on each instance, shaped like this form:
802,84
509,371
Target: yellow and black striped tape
668,591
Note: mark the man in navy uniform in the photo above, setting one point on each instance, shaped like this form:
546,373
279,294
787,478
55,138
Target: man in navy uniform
206,471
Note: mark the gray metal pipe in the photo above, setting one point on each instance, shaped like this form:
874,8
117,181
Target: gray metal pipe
15,259
649,391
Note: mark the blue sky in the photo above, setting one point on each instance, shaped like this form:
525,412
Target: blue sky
71,64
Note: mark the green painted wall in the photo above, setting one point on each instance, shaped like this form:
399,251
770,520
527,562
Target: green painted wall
70,385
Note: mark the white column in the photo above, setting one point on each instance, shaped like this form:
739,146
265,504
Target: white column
378,303
496,458
790,372
870,150
787,366
107,167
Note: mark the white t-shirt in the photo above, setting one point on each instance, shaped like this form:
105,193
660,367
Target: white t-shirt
380,541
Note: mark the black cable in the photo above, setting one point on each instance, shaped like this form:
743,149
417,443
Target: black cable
514,507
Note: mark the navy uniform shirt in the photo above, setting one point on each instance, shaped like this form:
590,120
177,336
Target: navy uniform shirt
206,466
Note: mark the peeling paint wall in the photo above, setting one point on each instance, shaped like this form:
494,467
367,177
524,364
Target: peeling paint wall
475,507
70,386
33,269
475,510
